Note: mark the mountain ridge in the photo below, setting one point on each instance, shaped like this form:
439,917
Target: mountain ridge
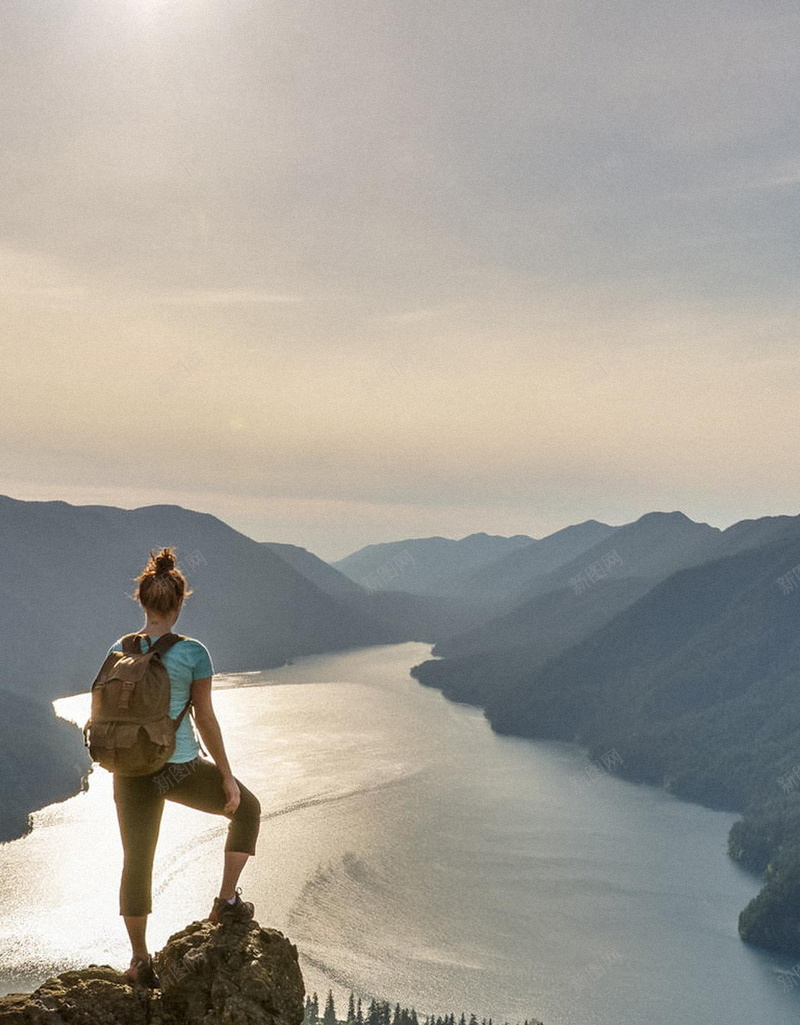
696,688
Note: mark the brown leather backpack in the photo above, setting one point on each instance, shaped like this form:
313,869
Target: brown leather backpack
130,730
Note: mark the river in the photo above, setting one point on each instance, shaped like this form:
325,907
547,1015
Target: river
414,856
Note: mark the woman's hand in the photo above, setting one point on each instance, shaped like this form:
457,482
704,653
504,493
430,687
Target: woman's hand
232,795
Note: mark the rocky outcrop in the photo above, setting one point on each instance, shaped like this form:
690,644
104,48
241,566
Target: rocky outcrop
210,975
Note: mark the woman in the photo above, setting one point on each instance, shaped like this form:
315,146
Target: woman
186,778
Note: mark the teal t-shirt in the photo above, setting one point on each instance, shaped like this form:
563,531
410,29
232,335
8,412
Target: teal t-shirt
186,661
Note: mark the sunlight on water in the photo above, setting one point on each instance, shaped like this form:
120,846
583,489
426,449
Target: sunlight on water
413,855
72,857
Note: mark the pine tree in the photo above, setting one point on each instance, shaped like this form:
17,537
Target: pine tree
359,1013
329,1017
351,1010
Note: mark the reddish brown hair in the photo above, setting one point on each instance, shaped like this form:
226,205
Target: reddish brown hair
161,586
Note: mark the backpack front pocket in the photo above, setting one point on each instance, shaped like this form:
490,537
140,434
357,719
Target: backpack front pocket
129,748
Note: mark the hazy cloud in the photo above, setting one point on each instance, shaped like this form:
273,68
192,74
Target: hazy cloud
539,259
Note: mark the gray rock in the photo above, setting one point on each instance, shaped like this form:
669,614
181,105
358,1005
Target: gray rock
210,975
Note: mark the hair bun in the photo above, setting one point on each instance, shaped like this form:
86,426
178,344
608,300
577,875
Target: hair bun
164,561
161,586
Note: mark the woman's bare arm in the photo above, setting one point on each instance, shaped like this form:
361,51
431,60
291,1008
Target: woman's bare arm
211,735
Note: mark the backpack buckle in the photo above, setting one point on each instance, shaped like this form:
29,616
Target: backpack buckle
125,695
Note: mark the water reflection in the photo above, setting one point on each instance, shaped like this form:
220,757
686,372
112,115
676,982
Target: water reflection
414,856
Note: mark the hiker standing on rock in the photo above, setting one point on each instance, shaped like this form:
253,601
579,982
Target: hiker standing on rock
140,731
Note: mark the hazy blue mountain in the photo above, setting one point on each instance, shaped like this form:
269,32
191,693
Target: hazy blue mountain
42,760
558,608
747,534
499,583
67,574
457,593
694,687
425,565
403,616
703,636
648,548
549,623
319,572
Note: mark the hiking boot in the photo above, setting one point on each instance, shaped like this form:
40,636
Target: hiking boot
226,914
142,973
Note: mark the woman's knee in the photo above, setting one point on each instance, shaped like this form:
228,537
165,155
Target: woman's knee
245,823
249,809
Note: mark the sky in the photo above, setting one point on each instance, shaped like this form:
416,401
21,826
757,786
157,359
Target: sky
350,272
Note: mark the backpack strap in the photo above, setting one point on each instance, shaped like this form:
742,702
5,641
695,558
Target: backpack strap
132,643
165,642
188,707
183,712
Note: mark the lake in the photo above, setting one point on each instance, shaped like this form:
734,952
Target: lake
414,856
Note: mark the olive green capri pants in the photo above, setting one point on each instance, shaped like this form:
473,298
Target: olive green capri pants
140,803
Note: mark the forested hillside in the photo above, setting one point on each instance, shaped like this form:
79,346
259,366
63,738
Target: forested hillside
696,688
67,573
42,760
